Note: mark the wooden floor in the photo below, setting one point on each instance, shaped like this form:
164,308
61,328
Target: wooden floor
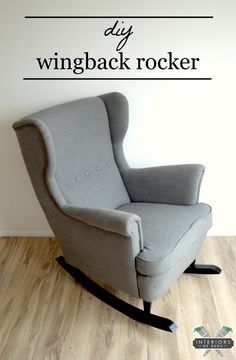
44,314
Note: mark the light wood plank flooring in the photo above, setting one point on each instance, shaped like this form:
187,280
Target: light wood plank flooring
45,314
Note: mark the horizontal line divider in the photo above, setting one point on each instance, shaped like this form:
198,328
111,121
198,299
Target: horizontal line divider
73,78
118,17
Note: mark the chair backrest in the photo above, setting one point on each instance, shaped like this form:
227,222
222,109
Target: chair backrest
81,167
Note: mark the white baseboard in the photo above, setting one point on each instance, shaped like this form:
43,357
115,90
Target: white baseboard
27,233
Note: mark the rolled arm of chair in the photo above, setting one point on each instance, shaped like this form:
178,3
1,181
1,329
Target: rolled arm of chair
103,242
175,184
115,221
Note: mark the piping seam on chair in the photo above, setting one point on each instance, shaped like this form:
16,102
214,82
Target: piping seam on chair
166,271
172,249
51,159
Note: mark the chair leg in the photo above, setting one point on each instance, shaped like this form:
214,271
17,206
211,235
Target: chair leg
129,310
202,269
147,307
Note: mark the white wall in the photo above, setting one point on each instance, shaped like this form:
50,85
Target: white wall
170,122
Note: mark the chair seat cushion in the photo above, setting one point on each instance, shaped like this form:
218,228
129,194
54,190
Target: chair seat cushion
169,231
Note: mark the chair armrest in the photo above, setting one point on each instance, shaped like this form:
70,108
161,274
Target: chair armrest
102,242
175,184
115,221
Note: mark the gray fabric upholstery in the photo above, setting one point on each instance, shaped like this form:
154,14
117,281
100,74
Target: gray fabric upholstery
108,256
119,222
176,184
82,168
74,155
152,287
168,232
118,113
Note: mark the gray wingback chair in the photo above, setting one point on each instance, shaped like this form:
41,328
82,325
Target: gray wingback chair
137,230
